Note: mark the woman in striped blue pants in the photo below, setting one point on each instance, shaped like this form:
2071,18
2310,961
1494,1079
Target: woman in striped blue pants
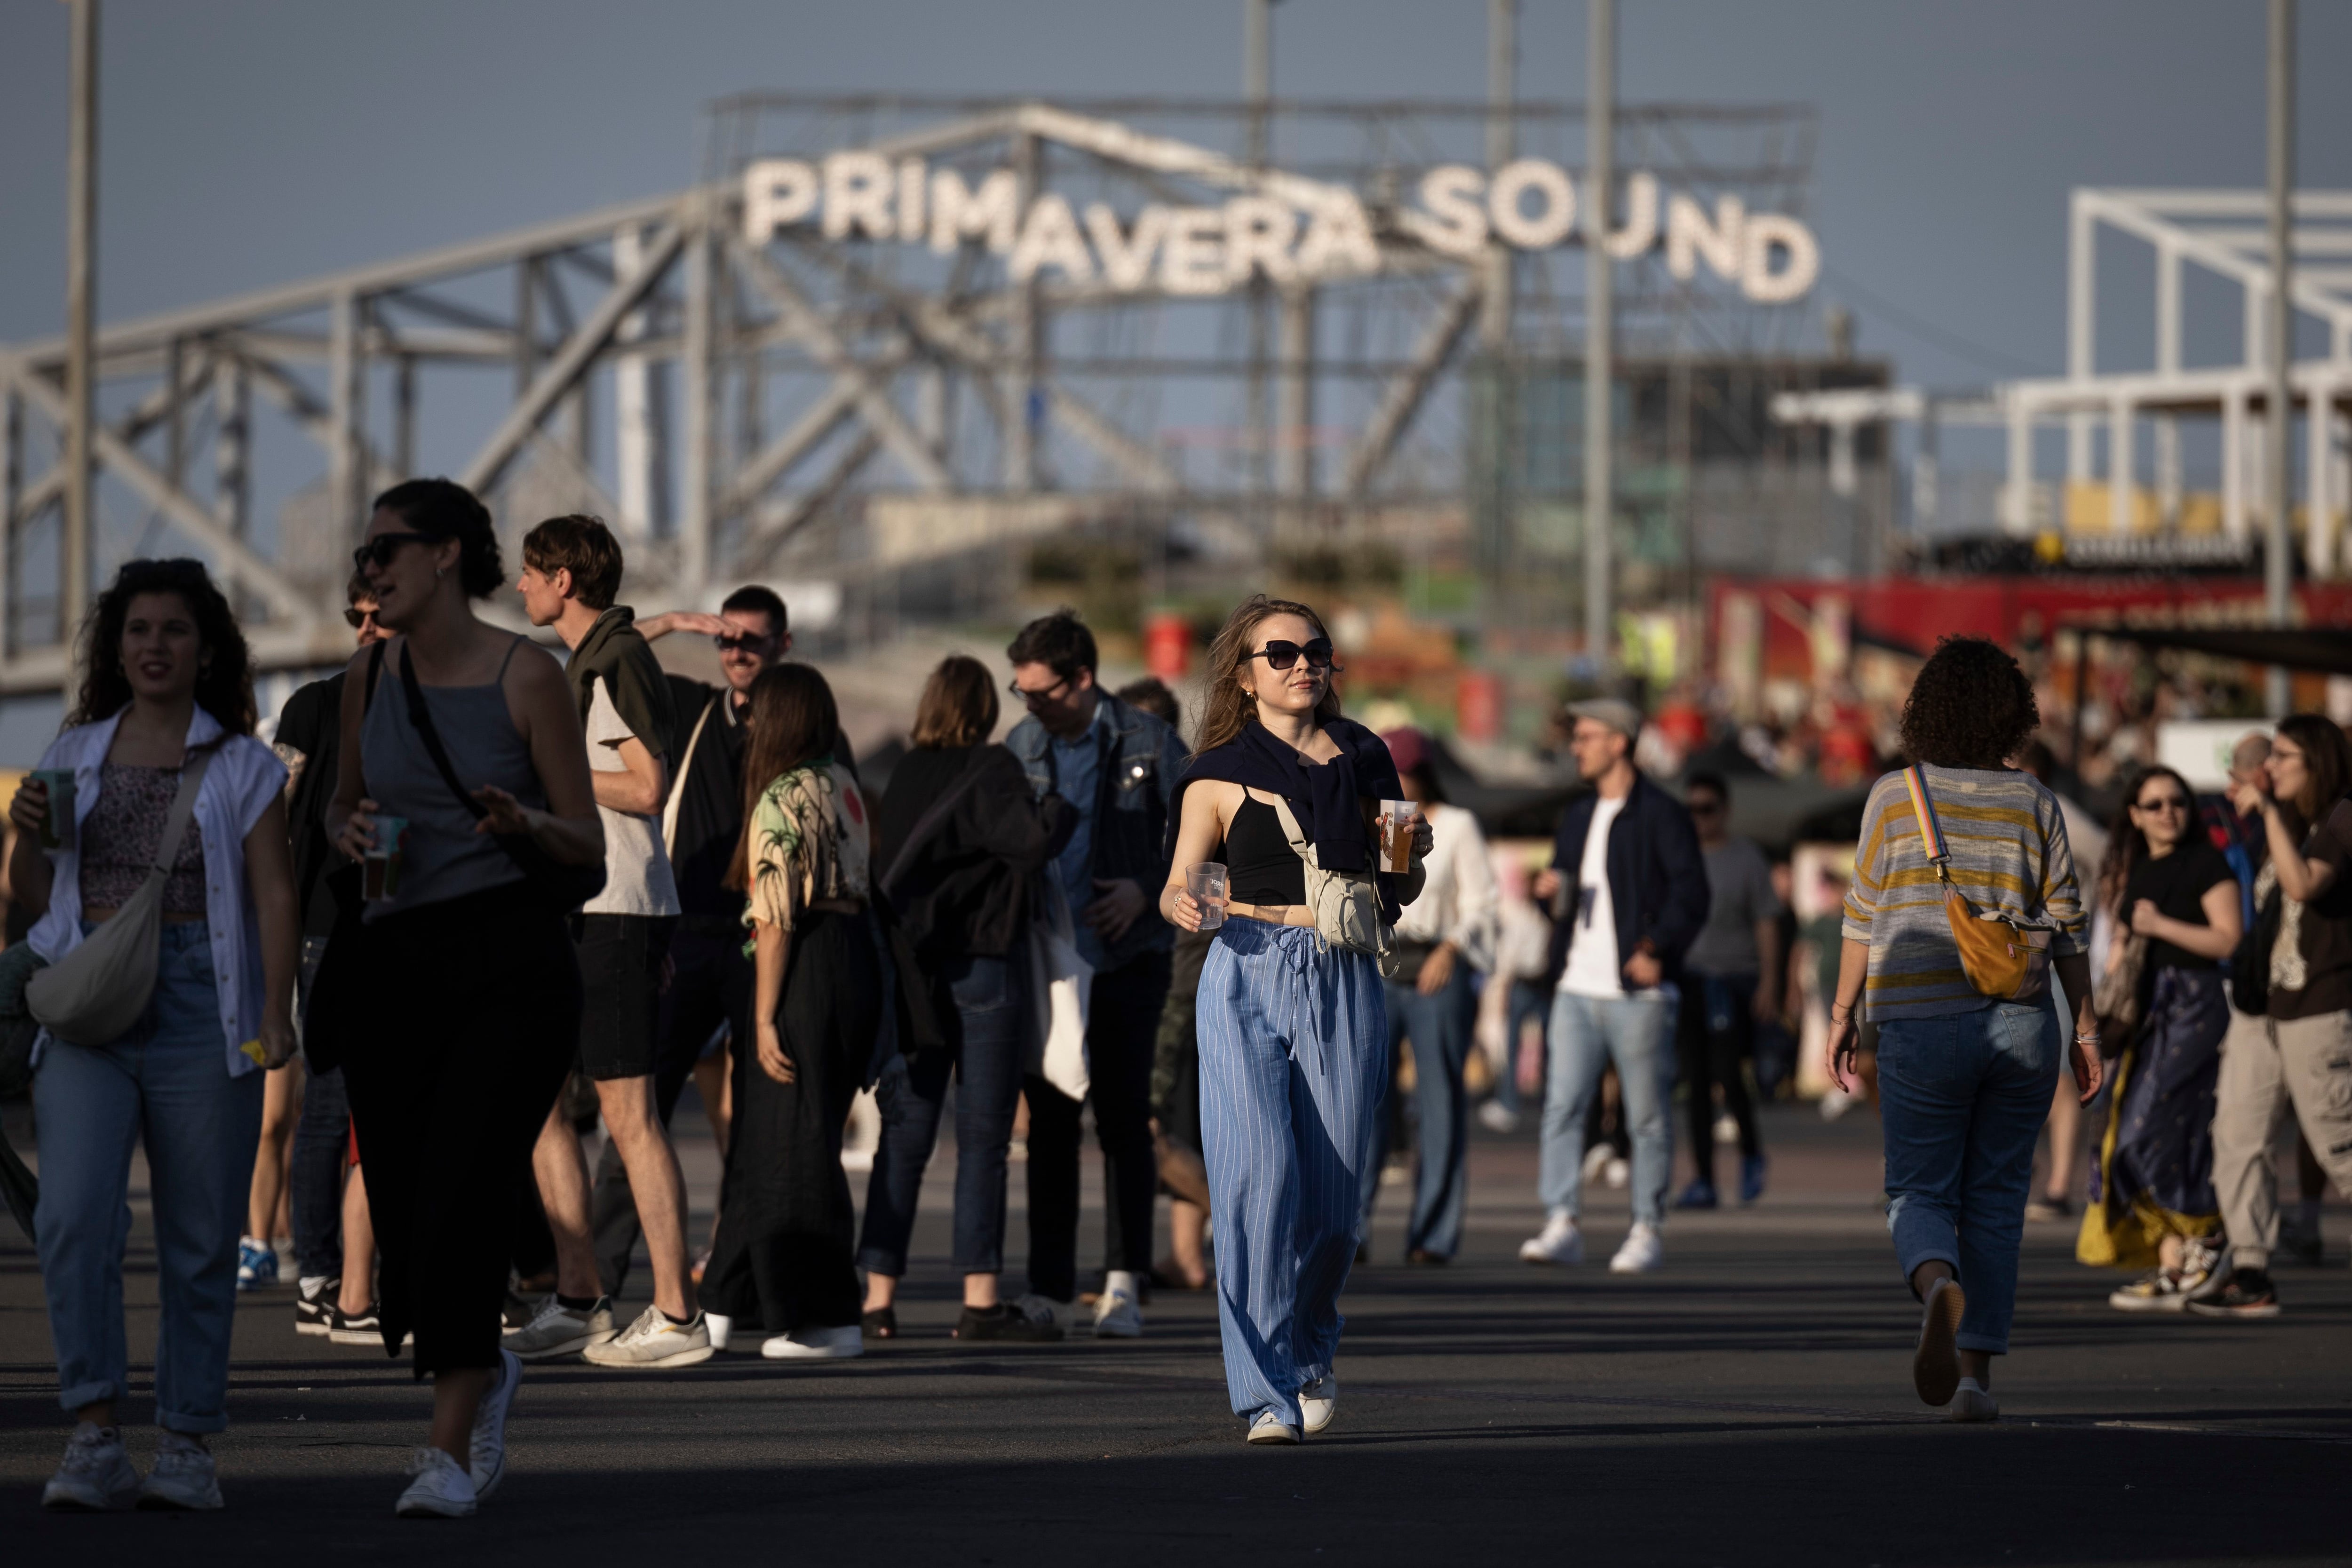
1293,1028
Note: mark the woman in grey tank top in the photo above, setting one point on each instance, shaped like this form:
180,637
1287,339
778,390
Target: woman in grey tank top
473,994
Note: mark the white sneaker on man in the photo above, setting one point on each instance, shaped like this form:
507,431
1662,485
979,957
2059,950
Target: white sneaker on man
653,1342
1119,1311
95,1474
183,1476
558,1330
487,1452
1643,1250
442,1488
1559,1242
1318,1402
816,1344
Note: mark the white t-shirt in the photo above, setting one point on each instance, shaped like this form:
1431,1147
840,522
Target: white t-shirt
1592,964
637,879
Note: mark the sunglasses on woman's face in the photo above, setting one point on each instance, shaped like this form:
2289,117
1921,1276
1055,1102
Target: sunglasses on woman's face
2163,803
1280,655
377,552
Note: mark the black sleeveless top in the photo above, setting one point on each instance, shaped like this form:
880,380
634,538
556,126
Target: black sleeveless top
1261,867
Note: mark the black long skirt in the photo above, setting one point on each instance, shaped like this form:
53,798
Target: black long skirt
784,1254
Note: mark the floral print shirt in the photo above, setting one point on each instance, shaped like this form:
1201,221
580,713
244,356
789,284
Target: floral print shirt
810,841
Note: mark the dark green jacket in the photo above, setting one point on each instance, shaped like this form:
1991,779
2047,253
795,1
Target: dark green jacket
617,653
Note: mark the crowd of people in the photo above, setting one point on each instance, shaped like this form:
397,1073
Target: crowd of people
496,898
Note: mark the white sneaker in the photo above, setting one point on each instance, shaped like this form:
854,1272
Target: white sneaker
442,1489
1971,1402
721,1329
1561,1241
1318,1402
1497,1117
1643,1251
816,1344
487,1452
1269,1427
1596,1161
1936,1363
1119,1311
559,1330
653,1342
95,1474
183,1477
1617,1172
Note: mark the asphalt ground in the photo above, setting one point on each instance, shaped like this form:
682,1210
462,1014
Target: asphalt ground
1749,1402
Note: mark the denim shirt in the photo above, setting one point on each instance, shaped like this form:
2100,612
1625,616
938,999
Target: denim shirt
1078,767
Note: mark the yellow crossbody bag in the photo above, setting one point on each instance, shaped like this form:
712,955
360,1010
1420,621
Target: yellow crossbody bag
2004,960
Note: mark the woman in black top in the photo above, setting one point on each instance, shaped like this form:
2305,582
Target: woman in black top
961,837
2152,1195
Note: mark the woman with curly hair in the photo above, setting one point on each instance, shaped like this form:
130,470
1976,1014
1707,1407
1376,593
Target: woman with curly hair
159,748
1965,1077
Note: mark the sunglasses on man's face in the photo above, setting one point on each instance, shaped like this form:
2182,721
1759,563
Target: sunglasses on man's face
732,642
377,552
355,617
1280,655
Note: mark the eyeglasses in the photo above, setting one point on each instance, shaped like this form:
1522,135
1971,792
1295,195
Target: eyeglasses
1279,654
2161,802
730,642
377,552
1043,694
355,618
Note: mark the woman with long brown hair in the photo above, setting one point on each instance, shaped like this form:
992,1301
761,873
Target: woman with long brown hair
782,1259
1293,1024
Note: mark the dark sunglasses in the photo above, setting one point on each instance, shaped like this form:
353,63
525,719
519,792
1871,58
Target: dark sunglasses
1043,694
355,618
728,642
377,552
1279,654
2161,802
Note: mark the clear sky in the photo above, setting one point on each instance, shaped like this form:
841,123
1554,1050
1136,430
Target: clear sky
248,142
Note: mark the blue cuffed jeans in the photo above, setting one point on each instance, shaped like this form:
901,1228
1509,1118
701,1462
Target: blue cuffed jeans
1587,1034
162,1083
1962,1099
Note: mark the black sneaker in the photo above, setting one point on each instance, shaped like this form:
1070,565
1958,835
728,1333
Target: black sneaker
1004,1322
2248,1294
314,1309
355,1328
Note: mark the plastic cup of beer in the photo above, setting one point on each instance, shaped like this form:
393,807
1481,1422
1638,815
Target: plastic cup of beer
380,868
1206,883
57,816
1398,819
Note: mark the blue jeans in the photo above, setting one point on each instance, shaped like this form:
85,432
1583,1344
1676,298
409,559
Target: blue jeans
1440,1028
910,1096
1529,999
161,1082
1587,1034
1963,1098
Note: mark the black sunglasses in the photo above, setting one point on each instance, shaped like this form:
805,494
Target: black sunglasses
2162,802
727,642
1280,655
1043,694
356,619
378,551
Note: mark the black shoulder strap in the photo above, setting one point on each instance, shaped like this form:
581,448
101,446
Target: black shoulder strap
421,717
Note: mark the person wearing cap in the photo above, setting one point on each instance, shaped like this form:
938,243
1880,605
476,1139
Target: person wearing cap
1439,937
1628,891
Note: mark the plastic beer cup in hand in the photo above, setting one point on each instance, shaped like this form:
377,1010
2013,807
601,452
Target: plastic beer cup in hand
380,870
1206,883
1398,819
57,816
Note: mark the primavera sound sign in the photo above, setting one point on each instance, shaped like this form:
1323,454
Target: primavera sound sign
1287,229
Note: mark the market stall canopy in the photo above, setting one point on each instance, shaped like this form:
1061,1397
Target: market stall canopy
2324,648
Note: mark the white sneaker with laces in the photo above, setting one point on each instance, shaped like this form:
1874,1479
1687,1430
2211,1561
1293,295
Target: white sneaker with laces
1270,1428
1972,1402
1318,1402
653,1342
558,1330
487,1450
442,1489
1497,1117
1559,1242
95,1474
1643,1250
1119,1311
183,1477
816,1344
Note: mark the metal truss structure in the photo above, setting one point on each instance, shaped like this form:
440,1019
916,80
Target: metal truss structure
820,407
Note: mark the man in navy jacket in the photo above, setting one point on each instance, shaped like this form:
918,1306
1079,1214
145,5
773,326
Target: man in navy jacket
1628,891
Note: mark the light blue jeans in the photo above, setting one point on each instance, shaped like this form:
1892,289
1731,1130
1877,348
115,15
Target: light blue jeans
1587,1034
162,1083
1962,1099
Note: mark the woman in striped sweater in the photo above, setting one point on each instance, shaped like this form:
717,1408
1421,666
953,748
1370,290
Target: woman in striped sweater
1965,1079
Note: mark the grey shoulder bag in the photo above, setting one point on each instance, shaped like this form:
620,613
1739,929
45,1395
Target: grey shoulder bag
96,993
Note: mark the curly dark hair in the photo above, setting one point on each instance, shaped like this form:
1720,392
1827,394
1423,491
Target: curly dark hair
1970,708
444,508
223,688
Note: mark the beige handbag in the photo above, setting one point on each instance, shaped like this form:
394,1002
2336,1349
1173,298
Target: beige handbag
94,995
1346,904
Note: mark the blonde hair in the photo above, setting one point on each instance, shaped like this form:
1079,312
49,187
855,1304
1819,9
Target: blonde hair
958,707
1228,709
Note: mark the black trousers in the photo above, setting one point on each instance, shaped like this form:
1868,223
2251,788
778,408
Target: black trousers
473,1019
1122,1027
712,986
1713,1030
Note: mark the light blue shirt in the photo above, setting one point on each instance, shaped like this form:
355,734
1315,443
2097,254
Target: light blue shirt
1076,777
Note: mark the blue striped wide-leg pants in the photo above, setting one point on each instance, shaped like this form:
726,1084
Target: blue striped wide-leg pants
1294,1063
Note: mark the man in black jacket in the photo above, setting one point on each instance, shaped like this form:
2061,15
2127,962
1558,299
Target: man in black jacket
1628,892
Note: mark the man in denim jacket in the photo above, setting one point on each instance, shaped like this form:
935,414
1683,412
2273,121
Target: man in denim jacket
1117,765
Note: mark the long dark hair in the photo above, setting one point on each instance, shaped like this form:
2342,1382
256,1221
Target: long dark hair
2325,756
793,721
1227,710
2127,844
225,679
